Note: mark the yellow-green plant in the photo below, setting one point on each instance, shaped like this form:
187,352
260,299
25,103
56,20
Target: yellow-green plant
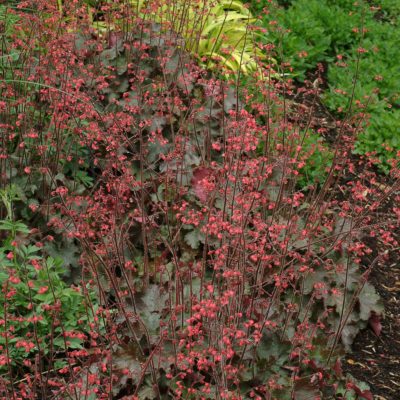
216,31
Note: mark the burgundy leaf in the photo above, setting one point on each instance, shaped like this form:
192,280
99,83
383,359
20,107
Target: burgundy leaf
364,394
375,324
199,187
338,368
114,38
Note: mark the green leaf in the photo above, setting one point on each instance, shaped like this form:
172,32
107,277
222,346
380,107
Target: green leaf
12,226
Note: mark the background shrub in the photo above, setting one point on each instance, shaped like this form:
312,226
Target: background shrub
357,40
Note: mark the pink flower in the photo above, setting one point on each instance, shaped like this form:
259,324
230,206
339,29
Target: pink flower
43,289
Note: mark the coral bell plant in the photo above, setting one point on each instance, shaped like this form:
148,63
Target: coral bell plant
207,270
217,32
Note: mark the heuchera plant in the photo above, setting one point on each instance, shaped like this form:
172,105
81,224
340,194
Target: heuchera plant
218,276
217,32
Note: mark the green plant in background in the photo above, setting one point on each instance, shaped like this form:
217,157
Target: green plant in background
328,29
39,313
377,89
7,20
317,160
333,36
389,10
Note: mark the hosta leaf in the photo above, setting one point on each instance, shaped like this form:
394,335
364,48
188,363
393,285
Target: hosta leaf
219,22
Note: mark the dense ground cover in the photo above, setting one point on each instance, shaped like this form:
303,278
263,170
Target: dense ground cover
357,42
172,224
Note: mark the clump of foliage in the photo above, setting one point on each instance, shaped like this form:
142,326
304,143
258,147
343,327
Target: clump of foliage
7,20
358,41
328,31
317,161
219,276
376,92
40,315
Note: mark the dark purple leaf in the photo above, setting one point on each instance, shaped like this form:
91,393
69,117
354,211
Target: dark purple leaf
375,324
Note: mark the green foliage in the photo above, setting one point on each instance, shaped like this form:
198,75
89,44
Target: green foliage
377,88
7,20
39,313
328,29
381,137
333,28
317,160
389,10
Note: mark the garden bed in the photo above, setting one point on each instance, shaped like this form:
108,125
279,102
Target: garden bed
178,224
